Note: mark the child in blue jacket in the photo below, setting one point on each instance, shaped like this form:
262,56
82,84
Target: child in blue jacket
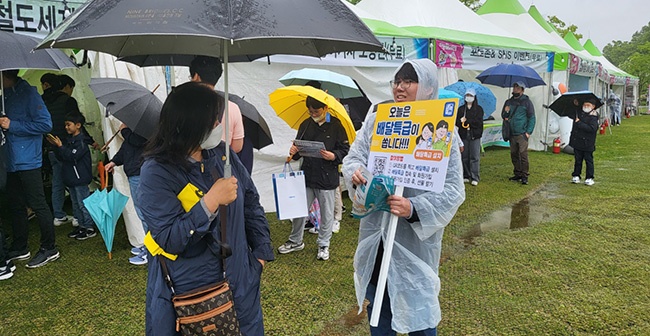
76,172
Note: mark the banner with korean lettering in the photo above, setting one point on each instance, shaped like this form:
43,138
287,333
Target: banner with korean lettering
397,51
455,55
411,142
35,17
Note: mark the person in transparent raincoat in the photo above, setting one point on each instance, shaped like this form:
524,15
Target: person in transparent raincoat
410,304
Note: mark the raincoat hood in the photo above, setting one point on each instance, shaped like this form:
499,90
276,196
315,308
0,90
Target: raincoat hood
427,78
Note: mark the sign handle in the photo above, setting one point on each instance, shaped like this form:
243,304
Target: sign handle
385,262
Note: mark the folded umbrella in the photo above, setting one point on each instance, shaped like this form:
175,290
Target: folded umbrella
505,75
105,209
567,104
289,104
336,84
484,96
255,127
130,102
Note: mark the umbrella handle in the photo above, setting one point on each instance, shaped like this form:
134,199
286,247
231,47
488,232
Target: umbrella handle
110,255
103,183
289,158
105,147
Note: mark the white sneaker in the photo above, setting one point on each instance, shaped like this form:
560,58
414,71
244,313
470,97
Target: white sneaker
63,220
576,179
589,182
465,180
475,183
75,222
313,230
336,227
323,253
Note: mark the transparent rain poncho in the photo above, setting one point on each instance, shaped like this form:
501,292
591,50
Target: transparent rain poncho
413,283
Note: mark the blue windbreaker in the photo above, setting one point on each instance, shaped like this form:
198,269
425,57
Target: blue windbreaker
183,233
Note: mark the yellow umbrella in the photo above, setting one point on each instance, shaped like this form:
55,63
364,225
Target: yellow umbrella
289,104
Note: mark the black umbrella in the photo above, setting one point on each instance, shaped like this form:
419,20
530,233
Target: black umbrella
18,52
226,28
176,60
567,104
131,103
255,127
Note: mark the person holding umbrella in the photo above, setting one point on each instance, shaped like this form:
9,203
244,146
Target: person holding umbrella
583,139
180,192
519,112
410,303
321,174
469,121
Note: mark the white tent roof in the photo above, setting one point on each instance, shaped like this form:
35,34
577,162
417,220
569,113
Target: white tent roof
448,15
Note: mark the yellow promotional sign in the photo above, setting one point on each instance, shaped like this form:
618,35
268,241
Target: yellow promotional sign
411,142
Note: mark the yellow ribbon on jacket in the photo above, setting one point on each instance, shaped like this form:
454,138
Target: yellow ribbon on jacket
189,196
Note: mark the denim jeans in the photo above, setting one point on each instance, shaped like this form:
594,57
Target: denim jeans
384,328
134,182
58,188
26,189
77,196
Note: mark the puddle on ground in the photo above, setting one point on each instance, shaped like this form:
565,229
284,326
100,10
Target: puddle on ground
530,211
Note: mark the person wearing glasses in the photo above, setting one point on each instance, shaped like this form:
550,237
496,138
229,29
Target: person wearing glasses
410,303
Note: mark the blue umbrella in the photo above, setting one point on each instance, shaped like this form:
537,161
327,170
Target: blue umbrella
336,84
105,208
446,94
504,75
485,97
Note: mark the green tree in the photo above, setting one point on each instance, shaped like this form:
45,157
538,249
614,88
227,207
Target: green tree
632,56
472,4
563,28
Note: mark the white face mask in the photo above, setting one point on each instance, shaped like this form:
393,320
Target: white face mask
214,138
586,109
469,99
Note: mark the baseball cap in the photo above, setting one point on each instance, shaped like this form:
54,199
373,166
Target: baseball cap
520,84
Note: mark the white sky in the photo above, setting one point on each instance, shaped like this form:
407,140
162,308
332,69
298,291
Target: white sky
600,20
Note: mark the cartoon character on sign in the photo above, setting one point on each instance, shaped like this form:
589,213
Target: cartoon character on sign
425,140
442,137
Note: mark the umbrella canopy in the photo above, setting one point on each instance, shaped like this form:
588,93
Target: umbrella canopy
130,102
565,105
255,127
336,84
18,52
289,104
105,209
485,97
176,60
198,27
504,75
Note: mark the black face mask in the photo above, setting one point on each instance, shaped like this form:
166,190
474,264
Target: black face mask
516,95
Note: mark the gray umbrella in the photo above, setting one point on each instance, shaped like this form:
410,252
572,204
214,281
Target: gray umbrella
131,103
226,28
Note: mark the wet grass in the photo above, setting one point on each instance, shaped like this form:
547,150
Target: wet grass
583,271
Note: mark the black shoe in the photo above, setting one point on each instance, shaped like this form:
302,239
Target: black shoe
524,180
9,265
18,255
515,178
43,257
86,233
6,272
308,225
77,231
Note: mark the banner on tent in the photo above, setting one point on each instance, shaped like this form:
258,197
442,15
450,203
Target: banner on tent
581,67
458,56
397,51
603,74
492,135
617,80
35,17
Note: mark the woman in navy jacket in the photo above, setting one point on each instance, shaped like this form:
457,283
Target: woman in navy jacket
181,190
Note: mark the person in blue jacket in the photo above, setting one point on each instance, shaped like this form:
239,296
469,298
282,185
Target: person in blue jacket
181,189
25,122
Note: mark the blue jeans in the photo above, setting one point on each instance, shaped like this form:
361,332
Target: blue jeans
134,182
77,195
58,188
385,316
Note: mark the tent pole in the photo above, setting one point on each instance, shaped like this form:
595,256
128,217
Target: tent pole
550,100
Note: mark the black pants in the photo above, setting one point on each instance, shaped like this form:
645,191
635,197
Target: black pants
519,154
588,157
25,188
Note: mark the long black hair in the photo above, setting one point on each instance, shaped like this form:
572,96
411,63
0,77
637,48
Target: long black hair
187,117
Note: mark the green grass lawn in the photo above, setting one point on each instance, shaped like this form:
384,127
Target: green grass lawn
579,266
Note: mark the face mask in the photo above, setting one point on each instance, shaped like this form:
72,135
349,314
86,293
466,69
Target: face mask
516,95
214,138
318,119
469,99
586,109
